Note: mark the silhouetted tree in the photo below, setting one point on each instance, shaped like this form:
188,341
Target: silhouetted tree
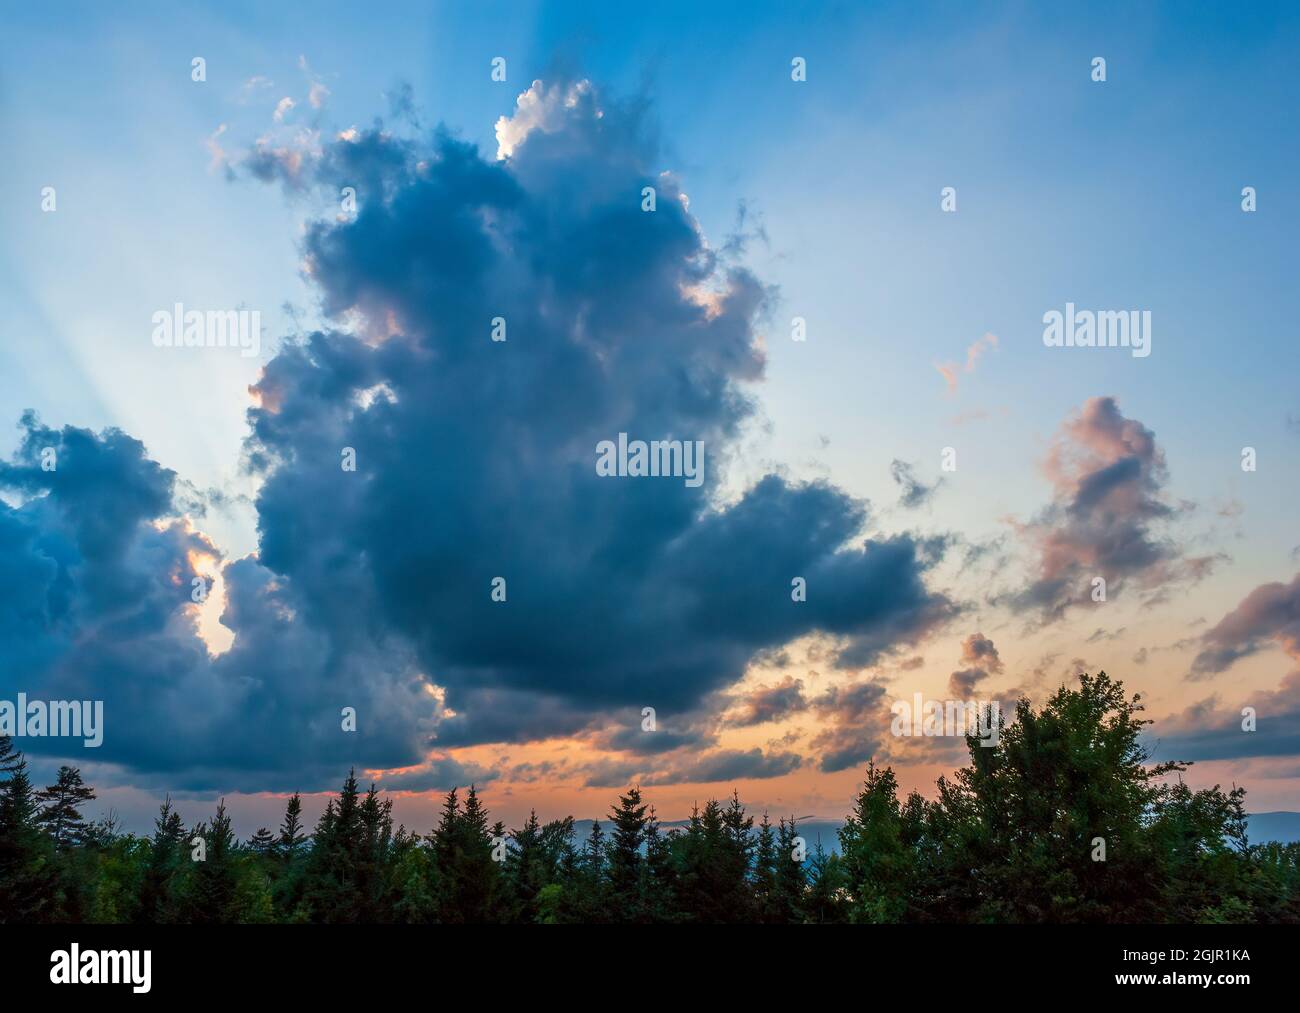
626,866
28,882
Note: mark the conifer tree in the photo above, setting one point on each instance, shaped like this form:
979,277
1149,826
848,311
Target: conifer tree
528,869
158,890
289,881
61,815
332,893
876,859
28,881
765,894
738,854
443,849
9,757
791,879
823,902
626,867
289,845
587,896
593,852
262,843
373,854
479,886
214,882
661,900
469,883
410,881
715,865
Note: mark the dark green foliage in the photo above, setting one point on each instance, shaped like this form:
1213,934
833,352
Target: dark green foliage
262,843
1063,820
9,757
629,883
1011,837
28,877
826,900
212,886
470,882
715,855
167,853
790,876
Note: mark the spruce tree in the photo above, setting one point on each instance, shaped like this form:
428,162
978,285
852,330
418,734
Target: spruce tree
373,855
443,849
823,902
588,900
289,881
291,839
626,866
879,864
61,816
791,879
765,896
528,869
332,893
214,883
28,882
9,756
661,873
158,901
479,886
262,843
738,898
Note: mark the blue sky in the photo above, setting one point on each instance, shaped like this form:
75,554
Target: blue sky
1115,195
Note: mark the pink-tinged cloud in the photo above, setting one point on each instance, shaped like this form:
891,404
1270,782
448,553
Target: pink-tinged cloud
951,371
1108,504
1269,614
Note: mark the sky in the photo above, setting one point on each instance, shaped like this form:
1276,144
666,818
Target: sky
946,485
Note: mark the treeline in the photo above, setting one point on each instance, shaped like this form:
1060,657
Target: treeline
1064,820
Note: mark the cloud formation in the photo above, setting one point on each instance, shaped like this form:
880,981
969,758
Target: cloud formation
912,492
951,371
372,589
981,659
853,715
770,703
1270,614
1108,479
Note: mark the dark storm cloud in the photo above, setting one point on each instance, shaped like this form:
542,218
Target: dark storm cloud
475,460
479,459
98,578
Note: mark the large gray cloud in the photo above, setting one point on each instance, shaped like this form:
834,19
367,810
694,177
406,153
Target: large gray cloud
475,460
620,592
99,574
